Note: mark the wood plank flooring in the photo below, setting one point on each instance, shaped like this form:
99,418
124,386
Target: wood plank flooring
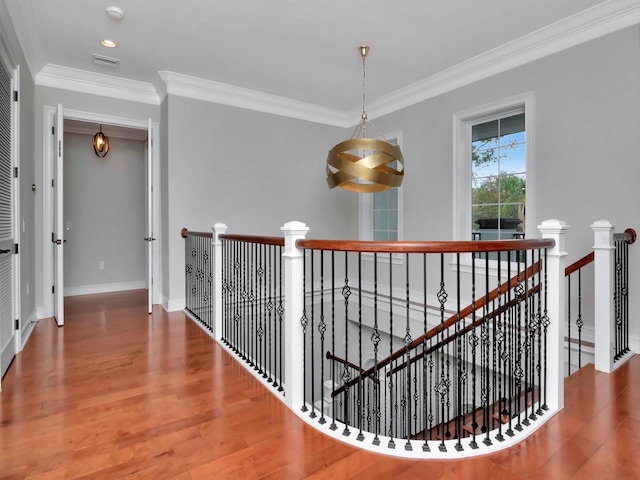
117,393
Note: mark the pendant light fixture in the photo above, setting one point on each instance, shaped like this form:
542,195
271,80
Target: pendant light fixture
100,144
361,164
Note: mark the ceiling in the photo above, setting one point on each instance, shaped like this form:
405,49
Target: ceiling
302,50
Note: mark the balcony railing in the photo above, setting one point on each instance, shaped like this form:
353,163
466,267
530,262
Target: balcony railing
384,344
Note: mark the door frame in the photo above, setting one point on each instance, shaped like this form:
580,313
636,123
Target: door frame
48,205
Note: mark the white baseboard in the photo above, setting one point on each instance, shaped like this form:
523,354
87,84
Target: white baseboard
40,313
173,305
28,325
104,288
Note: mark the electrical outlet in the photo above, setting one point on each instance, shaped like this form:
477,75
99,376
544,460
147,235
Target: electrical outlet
101,264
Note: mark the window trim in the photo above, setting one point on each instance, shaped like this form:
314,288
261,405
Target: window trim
462,123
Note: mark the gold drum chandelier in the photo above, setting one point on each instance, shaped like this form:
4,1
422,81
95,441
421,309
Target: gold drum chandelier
100,144
361,164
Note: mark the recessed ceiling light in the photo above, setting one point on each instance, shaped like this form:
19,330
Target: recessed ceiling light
108,43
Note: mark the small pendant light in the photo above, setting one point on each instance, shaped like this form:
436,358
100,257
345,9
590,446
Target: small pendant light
100,144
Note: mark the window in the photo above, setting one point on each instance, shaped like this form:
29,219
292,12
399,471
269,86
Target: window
381,212
493,170
498,176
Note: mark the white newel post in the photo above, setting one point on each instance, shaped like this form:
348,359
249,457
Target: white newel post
293,307
604,258
556,310
218,229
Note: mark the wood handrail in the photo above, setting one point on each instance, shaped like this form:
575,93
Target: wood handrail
465,312
277,241
445,246
331,356
185,232
629,235
503,308
575,266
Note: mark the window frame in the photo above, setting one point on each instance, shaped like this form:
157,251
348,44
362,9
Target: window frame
462,168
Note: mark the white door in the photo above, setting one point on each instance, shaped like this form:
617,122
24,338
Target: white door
8,237
58,234
149,239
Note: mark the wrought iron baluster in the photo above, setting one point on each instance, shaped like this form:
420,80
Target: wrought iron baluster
375,340
360,382
346,376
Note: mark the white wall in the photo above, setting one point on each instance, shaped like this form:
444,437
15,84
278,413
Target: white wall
104,215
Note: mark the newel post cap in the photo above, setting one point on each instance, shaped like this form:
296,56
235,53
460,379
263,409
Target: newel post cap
294,228
553,225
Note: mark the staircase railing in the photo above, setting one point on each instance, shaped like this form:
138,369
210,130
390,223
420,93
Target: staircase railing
575,271
607,284
488,359
198,276
253,303
372,342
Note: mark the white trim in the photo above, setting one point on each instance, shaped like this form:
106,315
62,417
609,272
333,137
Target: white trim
595,22
21,15
605,18
462,122
17,220
27,328
173,305
103,288
65,78
47,197
216,92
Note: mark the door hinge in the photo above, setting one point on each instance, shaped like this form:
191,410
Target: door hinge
53,289
15,172
52,185
17,324
53,130
16,248
59,148
53,237
15,95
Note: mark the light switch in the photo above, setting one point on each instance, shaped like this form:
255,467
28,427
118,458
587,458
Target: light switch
68,226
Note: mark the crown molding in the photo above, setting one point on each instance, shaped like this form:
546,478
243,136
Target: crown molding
595,22
215,92
56,76
21,14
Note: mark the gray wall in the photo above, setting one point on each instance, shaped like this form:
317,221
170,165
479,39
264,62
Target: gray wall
104,206
250,170
587,119
587,142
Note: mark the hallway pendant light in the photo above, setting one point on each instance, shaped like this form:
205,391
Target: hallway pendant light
100,144
361,164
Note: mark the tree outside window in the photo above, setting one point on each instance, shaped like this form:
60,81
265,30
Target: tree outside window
498,178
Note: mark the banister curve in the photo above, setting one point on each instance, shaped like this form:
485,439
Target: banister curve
444,246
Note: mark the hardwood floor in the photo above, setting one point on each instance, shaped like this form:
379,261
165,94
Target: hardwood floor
117,393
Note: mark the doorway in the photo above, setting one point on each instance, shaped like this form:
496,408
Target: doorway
136,135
